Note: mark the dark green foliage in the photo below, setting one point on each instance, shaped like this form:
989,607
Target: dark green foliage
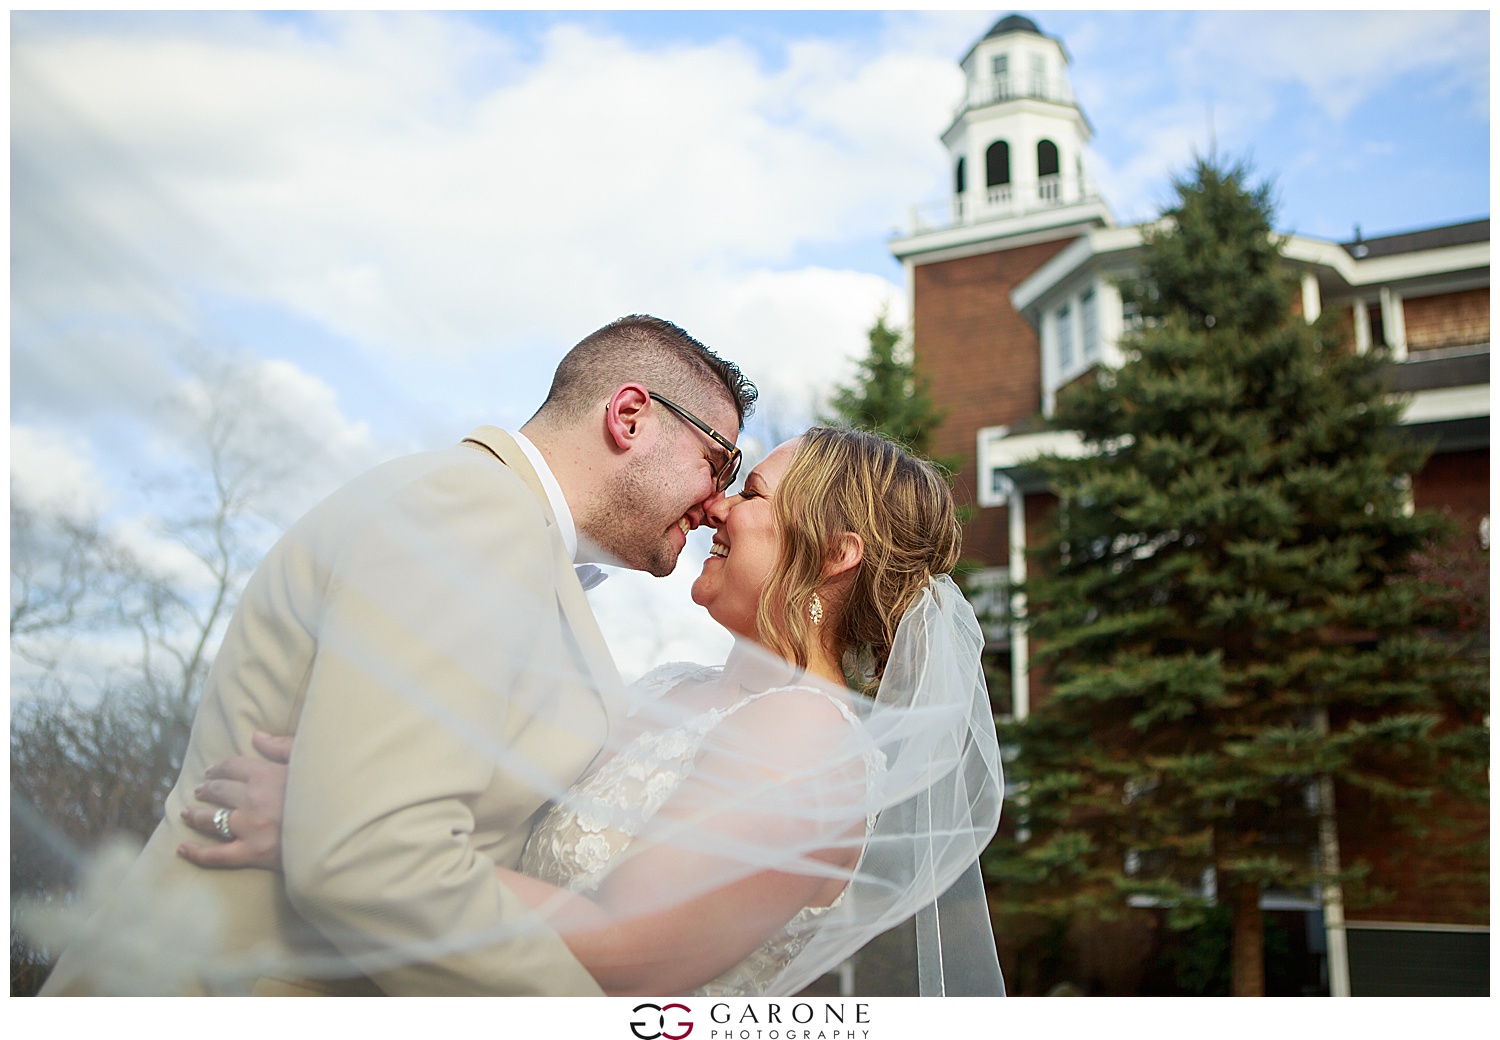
1228,611
888,396
1199,956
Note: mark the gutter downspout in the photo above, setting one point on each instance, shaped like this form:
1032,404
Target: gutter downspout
1020,682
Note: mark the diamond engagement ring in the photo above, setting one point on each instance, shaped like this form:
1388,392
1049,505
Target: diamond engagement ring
221,824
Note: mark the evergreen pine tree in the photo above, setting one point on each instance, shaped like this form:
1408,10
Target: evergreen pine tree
1226,612
888,396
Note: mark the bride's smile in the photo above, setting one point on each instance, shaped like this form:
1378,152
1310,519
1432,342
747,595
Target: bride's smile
745,546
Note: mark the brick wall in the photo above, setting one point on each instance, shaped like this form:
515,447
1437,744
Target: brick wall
983,360
1450,320
1426,877
1458,481
1422,877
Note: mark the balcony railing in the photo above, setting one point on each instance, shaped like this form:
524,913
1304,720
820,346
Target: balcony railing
1000,202
1008,88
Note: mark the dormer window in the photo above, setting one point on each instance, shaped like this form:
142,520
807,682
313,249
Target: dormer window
1088,319
1077,331
1065,337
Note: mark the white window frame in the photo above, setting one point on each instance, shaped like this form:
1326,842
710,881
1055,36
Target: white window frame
1090,346
1064,340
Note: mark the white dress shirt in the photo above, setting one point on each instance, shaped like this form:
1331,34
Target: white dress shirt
588,574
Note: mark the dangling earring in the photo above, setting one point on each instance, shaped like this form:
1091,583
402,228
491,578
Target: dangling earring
815,609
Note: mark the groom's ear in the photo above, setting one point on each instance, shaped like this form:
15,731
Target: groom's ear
623,414
848,550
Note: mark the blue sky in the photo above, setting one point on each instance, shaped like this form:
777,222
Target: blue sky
405,219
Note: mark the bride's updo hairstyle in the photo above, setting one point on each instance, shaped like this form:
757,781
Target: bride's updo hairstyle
842,480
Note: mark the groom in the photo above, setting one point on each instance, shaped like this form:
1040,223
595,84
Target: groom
423,633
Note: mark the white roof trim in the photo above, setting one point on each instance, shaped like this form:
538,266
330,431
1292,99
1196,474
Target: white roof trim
1001,231
1097,242
1380,270
1005,452
1452,402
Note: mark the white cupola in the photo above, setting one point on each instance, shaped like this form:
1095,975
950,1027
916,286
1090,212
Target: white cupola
1016,145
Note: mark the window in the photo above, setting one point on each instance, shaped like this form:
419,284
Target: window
1039,75
958,177
997,164
1065,337
1088,317
1000,65
1046,158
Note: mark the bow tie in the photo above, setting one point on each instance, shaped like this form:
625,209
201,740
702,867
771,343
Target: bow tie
589,575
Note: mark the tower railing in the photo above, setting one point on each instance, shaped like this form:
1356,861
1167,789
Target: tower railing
1000,202
996,89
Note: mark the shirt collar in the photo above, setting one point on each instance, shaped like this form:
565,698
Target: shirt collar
554,494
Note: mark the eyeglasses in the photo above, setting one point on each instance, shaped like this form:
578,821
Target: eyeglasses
725,474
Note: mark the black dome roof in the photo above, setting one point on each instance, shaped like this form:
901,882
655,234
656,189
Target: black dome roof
1013,23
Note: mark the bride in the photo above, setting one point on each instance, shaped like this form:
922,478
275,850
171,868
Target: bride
759,822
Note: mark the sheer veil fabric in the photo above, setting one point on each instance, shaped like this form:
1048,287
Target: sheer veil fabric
906,785
935,807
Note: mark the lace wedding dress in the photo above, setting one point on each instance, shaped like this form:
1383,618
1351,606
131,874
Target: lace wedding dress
574,845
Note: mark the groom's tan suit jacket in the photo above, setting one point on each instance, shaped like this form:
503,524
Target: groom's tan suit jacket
424,635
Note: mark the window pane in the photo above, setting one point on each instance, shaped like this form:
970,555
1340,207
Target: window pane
997,164
1089,316
1065,337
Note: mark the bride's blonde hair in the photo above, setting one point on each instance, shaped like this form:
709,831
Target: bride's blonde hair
842,480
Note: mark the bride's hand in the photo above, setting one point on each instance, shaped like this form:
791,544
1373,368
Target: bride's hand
253,791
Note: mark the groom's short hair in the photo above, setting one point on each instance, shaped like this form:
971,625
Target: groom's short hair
655,353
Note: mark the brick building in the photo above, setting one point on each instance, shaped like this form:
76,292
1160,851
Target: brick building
1013,296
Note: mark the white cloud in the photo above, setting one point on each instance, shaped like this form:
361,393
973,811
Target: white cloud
277,430
348,177
55,472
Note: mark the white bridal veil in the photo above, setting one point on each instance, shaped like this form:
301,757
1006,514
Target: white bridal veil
907,784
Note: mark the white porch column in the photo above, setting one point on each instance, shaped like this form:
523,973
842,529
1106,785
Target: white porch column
1361,327
1393,319
1312,300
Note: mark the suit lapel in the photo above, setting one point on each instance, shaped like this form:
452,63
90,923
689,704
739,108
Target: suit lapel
504,447
570,597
